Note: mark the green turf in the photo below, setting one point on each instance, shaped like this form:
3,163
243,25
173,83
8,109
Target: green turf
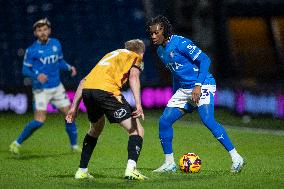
46,160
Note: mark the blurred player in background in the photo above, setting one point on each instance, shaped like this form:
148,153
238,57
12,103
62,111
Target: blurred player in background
194,88
42,63
101,93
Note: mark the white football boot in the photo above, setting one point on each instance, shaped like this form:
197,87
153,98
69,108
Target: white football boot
166,167
238,164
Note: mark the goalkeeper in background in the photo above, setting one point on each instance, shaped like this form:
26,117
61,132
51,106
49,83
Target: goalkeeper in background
42,63
194,88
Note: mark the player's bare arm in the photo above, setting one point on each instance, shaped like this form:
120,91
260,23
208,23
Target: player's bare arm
134,82
72,113
73,71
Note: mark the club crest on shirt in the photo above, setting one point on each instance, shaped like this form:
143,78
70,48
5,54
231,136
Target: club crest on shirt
54,48
172,54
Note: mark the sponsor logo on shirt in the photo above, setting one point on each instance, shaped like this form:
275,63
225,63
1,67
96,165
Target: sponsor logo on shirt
49,59
172,54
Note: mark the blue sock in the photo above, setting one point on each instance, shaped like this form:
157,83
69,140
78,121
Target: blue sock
71,130
28,130
169,116
206,113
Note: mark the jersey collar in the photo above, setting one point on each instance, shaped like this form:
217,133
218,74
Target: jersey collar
42,43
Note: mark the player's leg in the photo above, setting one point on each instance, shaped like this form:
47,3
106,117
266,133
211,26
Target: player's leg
61,101
168,118
40,104
118,110
89,144
135,143
206,113
71,130
175,110
96,118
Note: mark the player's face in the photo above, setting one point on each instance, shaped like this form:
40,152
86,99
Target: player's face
42,33
156,32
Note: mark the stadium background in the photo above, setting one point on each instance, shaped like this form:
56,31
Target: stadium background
245,40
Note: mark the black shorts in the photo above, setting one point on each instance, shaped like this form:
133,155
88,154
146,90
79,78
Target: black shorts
99,103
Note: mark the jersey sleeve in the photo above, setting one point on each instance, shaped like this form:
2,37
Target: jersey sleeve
28,65
199,58
204,64
63,65
188,49
137,62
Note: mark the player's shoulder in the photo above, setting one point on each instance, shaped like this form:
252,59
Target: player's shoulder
179,40
33,47
54,41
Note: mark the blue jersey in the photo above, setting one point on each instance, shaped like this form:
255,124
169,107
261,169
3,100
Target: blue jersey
47,59
188,64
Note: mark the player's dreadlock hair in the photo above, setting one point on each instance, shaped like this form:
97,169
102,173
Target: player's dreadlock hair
164,22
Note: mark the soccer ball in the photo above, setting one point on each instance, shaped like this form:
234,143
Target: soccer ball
190,163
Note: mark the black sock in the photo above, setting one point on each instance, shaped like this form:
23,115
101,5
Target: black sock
134,147
88,147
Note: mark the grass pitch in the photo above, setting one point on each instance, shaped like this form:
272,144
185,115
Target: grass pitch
46,160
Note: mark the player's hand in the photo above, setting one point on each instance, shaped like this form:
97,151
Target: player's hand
73,71
42,78
71,115
196,94
138,113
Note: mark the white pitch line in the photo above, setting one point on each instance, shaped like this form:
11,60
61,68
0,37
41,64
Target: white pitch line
246,129
257,130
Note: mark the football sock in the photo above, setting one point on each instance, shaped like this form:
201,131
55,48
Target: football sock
71,130
28,131
206,113
134,147
84,170
170,115
234,154
170,158
89,144
131,164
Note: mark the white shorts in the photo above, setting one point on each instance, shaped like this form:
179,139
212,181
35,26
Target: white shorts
182,97
56,96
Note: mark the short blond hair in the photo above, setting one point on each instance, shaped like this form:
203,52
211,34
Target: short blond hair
41,22
136,45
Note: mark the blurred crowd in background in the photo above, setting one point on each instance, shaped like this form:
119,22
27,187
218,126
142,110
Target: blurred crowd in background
244,38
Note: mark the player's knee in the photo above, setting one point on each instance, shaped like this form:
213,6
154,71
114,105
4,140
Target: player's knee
92,132
33,125
165,128
96,128
164,123
208,120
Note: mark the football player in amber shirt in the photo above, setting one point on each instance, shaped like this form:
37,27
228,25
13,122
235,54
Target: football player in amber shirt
100,91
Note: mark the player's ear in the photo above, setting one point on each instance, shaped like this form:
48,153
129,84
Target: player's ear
49,31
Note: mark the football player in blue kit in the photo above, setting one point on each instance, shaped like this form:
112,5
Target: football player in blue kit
42,63
194,88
